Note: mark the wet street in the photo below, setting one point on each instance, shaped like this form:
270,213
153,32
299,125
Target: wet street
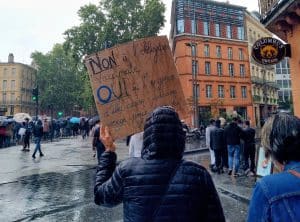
59,186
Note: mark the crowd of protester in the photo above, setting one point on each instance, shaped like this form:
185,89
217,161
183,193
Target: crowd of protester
16,133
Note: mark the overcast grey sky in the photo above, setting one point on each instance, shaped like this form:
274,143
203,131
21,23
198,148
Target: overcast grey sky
36,25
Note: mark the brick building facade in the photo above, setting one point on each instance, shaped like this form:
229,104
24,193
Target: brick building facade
211,54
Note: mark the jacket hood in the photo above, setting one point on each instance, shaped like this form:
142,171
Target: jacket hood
163,135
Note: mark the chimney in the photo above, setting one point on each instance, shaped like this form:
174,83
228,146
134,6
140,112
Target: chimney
11,58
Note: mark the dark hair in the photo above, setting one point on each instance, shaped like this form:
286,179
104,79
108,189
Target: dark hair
218,123
247,122
234,119
211,121
281,137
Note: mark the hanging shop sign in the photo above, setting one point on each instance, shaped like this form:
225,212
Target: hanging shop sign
268,51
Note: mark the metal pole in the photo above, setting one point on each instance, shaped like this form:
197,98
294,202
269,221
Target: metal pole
37,103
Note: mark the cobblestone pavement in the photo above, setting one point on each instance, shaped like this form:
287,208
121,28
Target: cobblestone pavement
59,186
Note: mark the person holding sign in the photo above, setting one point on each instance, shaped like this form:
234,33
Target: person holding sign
277,197
160,185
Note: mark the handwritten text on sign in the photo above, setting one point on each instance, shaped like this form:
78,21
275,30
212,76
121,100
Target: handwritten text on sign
132,79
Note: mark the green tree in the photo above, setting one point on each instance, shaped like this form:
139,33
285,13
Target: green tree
58,80
113,22
110,23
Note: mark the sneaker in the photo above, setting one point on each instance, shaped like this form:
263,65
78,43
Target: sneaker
251,174
41,154
229,172
247,171
33,156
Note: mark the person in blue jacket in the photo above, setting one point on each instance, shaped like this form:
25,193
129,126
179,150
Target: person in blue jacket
277,197
159,185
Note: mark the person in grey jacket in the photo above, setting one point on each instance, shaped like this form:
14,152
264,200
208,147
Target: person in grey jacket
160,185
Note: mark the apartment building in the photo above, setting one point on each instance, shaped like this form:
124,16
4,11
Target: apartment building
210,50
16,83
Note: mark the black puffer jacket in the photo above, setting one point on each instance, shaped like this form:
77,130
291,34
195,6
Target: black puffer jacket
145,186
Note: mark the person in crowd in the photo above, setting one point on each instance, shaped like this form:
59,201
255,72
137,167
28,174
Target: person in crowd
207,140
233,135
97,144
249,149
277,197
225,153
218,145
46,129
136,144
242,142
38,133
27,134
2,136
160,185
9,134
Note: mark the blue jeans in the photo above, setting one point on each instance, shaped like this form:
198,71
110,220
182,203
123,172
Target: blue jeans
37,141
234,155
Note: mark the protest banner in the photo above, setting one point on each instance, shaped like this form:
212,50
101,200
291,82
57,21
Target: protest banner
130,80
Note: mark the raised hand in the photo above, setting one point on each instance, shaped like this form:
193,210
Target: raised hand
107,139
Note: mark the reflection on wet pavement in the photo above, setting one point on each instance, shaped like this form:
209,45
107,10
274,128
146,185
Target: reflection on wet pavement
59,187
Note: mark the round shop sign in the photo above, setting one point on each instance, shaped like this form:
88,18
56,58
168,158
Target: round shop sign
268,51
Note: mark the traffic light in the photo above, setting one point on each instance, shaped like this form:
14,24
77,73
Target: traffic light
35,94
60,114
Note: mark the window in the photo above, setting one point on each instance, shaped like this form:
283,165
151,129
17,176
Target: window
285,84
194,26
220,91
180,26
241,54
279,83
12,84
218,51
220,68
217,30
230,53
208,91
5,70
206,30
240,33
231,69
206,50
232,91
13,71
4,98
207,68
12,97
242,70
194,67
244,91
4,85
197,91
228,32
194,50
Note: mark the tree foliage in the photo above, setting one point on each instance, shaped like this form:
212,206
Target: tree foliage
62,77
58,80
113,22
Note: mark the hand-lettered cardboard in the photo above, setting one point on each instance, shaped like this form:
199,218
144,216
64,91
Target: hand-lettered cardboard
130,80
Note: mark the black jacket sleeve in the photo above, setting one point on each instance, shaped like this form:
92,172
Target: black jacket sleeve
108,190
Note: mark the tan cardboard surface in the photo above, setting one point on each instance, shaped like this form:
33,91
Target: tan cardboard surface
132,79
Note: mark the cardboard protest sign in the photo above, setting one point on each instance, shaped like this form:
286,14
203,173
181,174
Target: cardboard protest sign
132,79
